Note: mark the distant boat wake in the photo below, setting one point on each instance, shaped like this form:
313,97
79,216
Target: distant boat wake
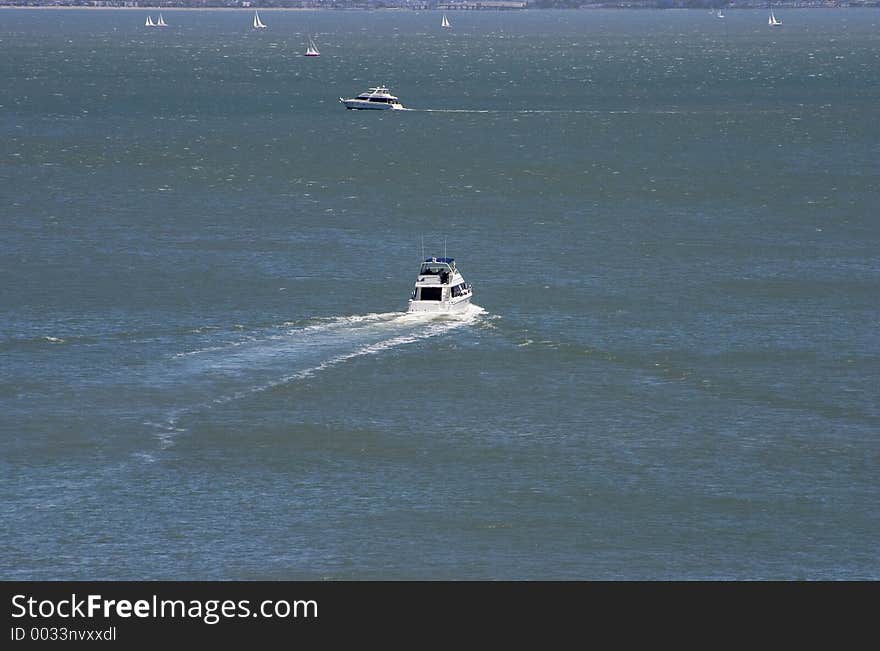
214,375
551,111
514,111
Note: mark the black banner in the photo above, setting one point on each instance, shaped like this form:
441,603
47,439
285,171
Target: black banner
241,612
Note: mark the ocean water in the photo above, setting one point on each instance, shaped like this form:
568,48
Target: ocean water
671,369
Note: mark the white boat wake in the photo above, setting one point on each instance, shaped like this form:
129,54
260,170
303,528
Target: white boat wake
555,111
215,375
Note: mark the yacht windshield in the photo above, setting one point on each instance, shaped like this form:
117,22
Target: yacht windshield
433,269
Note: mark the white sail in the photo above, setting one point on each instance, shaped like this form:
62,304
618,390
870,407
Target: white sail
258,24
444,22
312,49
161,22
149,22
773,21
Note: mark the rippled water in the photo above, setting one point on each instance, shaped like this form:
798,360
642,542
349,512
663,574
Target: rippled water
671,369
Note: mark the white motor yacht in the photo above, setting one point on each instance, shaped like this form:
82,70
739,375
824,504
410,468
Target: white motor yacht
375,98
440,288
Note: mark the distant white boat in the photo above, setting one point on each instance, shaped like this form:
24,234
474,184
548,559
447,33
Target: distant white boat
445,22
719,13
149,22
312,49
161,22
376,98
773,21
258,24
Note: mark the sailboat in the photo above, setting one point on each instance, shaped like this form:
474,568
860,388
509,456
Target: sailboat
258,24
149,22
161,22
719,13
773,21
445,22
312,49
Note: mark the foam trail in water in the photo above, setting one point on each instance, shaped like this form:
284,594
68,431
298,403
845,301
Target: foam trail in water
217,375
556,111
508,111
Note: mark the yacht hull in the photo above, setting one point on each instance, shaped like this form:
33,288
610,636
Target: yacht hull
441,307
357,104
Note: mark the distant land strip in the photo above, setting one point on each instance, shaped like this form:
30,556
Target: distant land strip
446,5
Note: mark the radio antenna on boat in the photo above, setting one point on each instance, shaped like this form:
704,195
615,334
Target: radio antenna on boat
444,247
423,248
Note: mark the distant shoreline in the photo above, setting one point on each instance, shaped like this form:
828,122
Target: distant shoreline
170,9
787,7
